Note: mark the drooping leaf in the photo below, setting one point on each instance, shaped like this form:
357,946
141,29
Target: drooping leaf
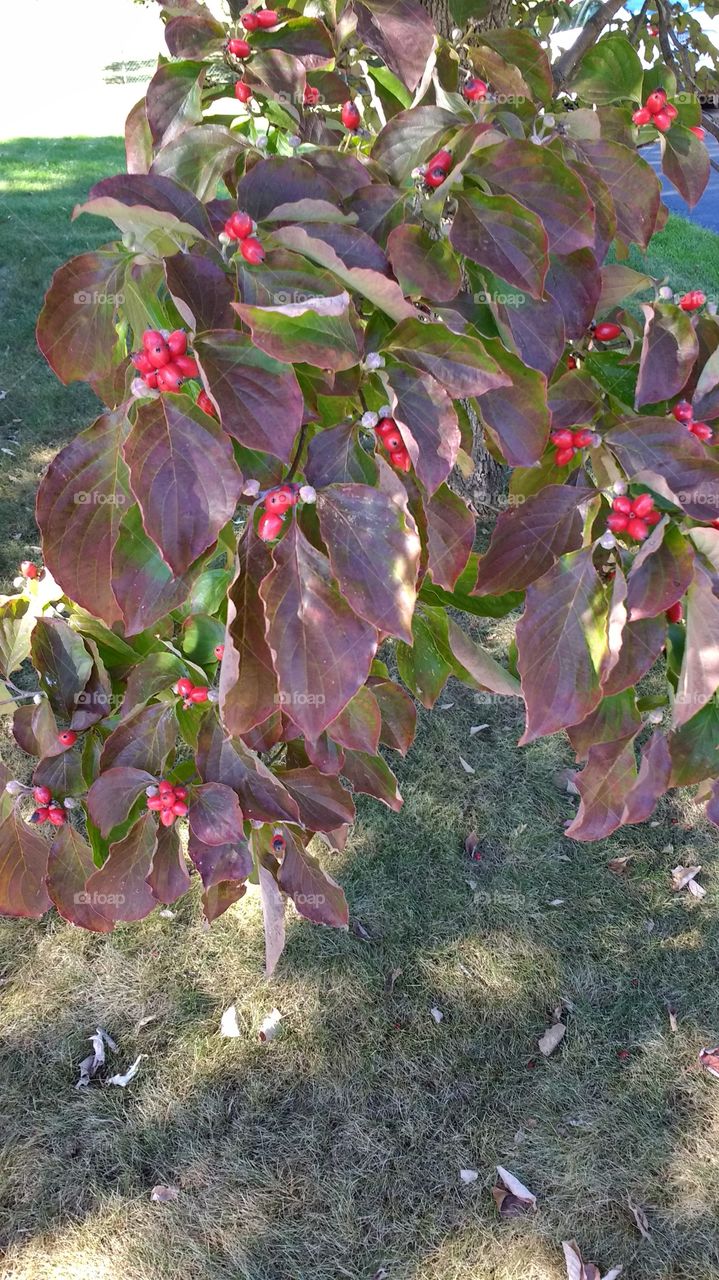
76,328
62,663
475,666
200,290
424,666
335,456
652,780
315,894
662,570
248,681
518,413
119,889
501,234
400,32
133,201
259,398
604,786
168,878
23,864
261,793
529,537
574,282
613,718
70,865
370,774
358,727
519,48
322,801
16,623
143,740
62,772
634,186
642,643
537,179
699,675
669,350
200,157
174,100
348,253
428,423
215,814
35,729
693,747
154,674
459,362
450,535
661,452
399,715
219,863
409,138
145,587
685,162
273,915
195,35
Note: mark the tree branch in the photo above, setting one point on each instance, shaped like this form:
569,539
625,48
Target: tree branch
564,66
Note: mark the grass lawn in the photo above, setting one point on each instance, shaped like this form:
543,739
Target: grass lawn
336,1150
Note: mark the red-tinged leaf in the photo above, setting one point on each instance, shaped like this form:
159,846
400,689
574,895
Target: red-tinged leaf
322,800
80,503
519,48
23,863
712,805
501,234
342,250
428,423
370,774
35,729
62,773
154,674
335,456
62,663
279,181
218,862
642,642
537,179
138,139
450,535
699,675
400,32
425,268
358,727
634,186
652,780
174,100
529,537
535,329
119,889
318,331
705,396
315,894
259,398
324,754
305,38
661,452
459,362
184,476
195,36
379,209
517,414
142,741
113,794
262,795
669,350
562,640
96,700
200,157
573,400
70,864
76,328
399,714
215,901
273,915
215,815
169,877
409,138
661,572
605,218
619,283
200,290
685,162
693,748
248,682
160,195
604,786
321,649
366,530
476,667
575,283
145,587
613,718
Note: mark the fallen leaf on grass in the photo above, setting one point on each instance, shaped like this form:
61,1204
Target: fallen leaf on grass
228,1023
163,1195
391,979
640,1218
673,1024
564,781
471,846
437,1014
619,865
511,1196
477,728
552,1038
466,765
124,1080
359,931
144,1022
92,1063
270,1026
578,1269
468,1176
683,878
709,1060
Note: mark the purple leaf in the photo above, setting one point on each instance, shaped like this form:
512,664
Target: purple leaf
318,331
23,864
70,865
142,741
661,452
400,32
450,535
370,774
76,327
425,268
537,179
215,815
660,574
200,290
428,423
699,675
262,795
399,715
174,100
634,186
459,362
685,162
145,587
358,727
140,189
62,663
604,786
315,894
529,537
518,413
669,350
248,682
652,780
169,877
119,889
259,398
273,915
499,233
322,800
113,794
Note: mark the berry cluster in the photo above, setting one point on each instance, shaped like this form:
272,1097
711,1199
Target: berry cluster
394,444
239,226
48,810
277,502
633,516
607,331
474,90
260,20
163,363
570,441
350,116
657,111
693,300
191,693
683,412
437,168
167,800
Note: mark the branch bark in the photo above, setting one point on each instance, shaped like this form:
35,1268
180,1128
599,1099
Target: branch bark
588,36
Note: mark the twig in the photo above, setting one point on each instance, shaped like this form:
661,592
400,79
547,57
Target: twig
588,36
298,453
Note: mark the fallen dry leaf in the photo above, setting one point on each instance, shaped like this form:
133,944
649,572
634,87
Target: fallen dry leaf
709,1060
270,1026
437,1014
124,1080
391,979
471,845
683,878
640,1218
552,1038
619,865
228,1023
578,1269
468,1175
466,765
477,728
360,931
564,781
163,1195
673,1024
92,1063
144,1022
511,1196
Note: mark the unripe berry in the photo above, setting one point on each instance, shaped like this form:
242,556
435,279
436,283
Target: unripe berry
239,48
269,526
243,92
607,331
474,90
42,795
177,342
252,250
350,116
67,738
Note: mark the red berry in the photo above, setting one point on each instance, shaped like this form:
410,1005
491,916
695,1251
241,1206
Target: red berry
243,92
642,505
252,250
652,31
617,522
177,342
641,116
187,366
183,686
141,361
435,177
28,569
280,500
250,22
40,815
571,362
698,132
204,403
675,613
564,456
167,817
663,121
57,815
702,431
474,90
167,799
166,787
385,426
607,331
150,379
154,803
393,441
239,225
179,809
266,18
655,101
180,793
169,378
671,111
269,526
350,116
683,411
637,529
198,694
583,439
219,652
622,504
239,48
692,300
67,738
400,459
311,96
42,795
151,338
563,439
278,843
442,160
159,354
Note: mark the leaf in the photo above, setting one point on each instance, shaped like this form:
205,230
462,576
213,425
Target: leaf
324,804
119,888
259,398
425,268
62,663
321,650
145,587
400,32
261,793
511,1196
315,894
518,413
365,531
183,473
699,675
123,1079
528,538
574,281
660,574
535,329
476,667
359,725
500,233
215,815
604,785
685,162
640,1218
23,864
634,186
619,283
70,864
459,362
200,157
194,36
221,864
160,1194
143,740
173,100
709,1060
229,1028
169,878
35,729
304,37
16,624
520,49
669,350
660,452
200,290
335,456
317,331
76,327
562,639
80,503
278,182
450,536
399,715
371,774
155,673
652,780
609,72
424,667
138,141
427,421
552,1038
684,878
409,138
248,682
538,180
220,898
348,253
113,794
91,1065
693,748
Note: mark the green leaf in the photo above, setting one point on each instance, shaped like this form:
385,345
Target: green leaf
611,71
318,331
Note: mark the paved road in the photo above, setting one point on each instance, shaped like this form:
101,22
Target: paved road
706,213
